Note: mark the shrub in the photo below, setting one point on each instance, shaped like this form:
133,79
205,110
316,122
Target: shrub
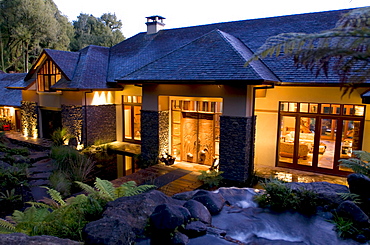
59,136
279,197
210,178
67,218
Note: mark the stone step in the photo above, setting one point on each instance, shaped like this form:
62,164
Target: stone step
38,182
44,175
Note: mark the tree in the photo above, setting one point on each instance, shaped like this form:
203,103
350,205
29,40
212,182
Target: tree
103,31
28,26
343,49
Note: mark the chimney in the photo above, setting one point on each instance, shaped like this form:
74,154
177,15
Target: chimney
154,24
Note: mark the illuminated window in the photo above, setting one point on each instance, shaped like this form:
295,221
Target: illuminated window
47,76
132,118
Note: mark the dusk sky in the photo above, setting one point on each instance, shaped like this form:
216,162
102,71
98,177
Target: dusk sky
196,12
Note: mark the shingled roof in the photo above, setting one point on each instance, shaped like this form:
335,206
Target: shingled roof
10,97
172,54
205,53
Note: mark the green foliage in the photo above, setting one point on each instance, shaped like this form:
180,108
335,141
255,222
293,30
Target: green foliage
71,164
279,197
67,218
59,181
59,136
344,227
14,151
359,164
345,47
103,31
106,191
355,198
211,178
26,27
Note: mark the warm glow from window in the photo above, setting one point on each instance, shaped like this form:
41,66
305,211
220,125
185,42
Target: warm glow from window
10,110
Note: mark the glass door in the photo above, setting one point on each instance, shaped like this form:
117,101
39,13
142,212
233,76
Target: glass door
327,143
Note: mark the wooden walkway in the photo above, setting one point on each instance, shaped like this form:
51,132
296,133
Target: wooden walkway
188,182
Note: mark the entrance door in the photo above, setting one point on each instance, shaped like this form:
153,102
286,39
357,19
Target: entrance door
51,120
197,137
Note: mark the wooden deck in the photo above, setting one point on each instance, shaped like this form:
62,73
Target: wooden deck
185,183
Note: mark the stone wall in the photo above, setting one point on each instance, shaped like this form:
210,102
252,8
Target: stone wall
72,119
150,135
29,117
164,130
237,147
99,124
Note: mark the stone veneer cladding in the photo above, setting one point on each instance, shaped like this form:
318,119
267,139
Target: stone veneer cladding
99,123
150,135
72,119
164,117
29,117
237,147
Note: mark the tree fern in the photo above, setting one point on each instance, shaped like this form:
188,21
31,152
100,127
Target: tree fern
359,164
346,47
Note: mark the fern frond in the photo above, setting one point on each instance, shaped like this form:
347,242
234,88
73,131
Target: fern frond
56,196
6,226
106,189
351,196
86,188
130,189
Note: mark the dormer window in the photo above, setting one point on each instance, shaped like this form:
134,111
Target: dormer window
47,76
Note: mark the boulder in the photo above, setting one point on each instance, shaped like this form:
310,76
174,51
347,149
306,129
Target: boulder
179,239
349,209
184,196
195,229
359,184
167,217
23,239
108,231
198,211
212,201
136,210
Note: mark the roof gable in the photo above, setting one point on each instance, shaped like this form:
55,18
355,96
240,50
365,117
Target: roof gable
214,56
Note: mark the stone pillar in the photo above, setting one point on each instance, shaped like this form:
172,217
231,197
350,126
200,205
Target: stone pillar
237,147
150,136
29,118
164,131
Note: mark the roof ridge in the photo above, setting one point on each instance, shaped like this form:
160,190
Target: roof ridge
169,53
254,64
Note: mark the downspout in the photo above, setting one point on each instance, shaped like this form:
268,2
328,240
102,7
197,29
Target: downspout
85,119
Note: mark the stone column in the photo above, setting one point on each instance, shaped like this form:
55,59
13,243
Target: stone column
29,118
164,131
150,136
237,147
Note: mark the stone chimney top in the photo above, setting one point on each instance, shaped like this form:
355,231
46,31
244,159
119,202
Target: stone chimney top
154,24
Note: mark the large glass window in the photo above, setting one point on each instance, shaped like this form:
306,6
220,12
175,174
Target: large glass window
315,136
47,76
132,118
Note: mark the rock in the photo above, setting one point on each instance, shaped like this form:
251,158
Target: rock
136,210
238,196
212,201
108,231
23,239
167,217
198,211
195,229
184,196
349,209
216,232
179,239
359,184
